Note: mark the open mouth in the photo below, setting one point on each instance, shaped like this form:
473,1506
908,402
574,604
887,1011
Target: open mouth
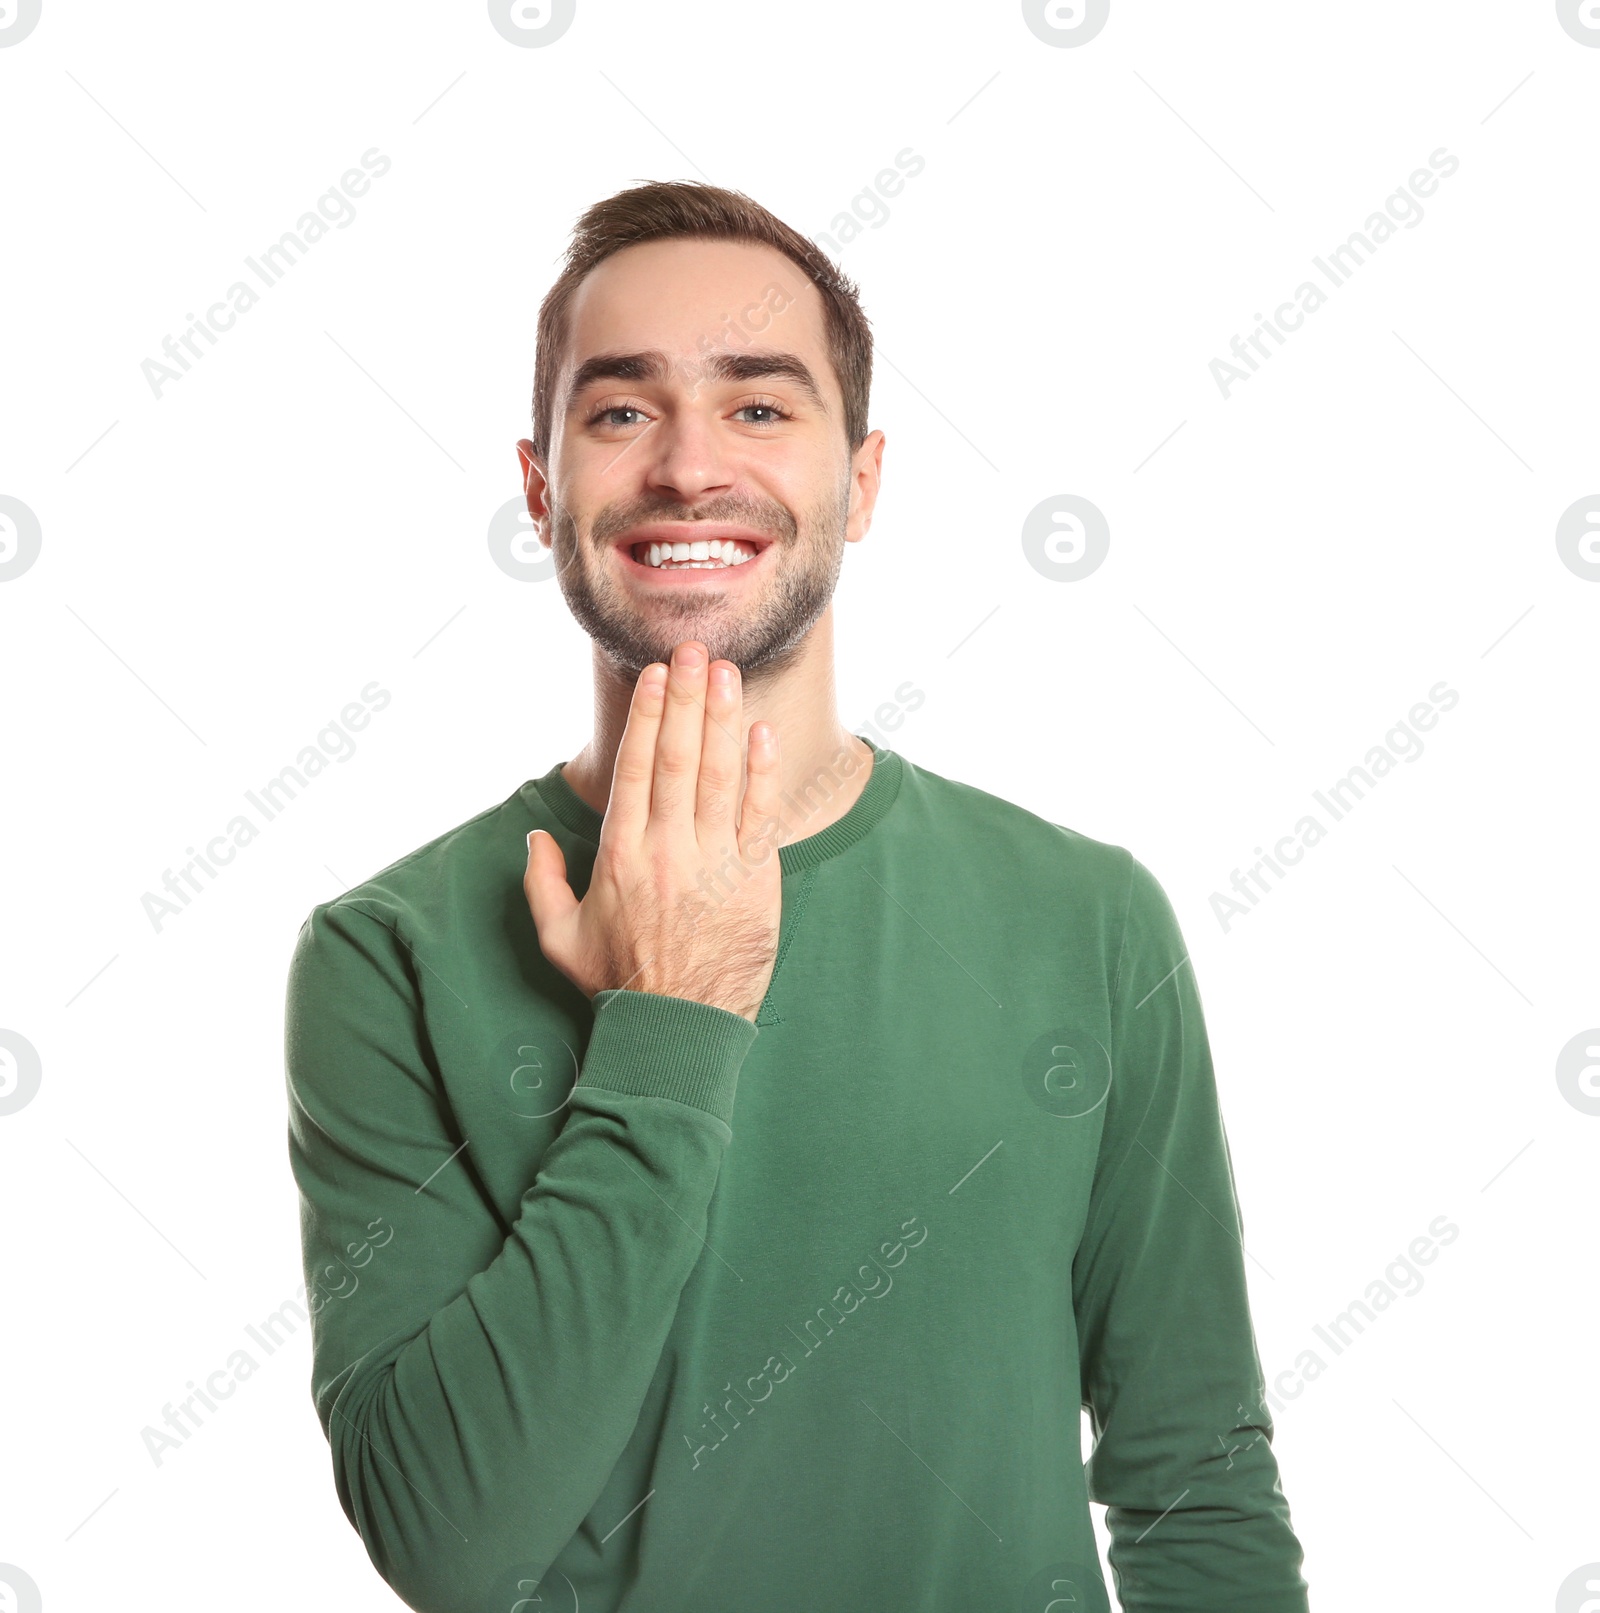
706,552
665,551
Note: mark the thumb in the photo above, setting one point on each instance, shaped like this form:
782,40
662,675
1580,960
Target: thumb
550,897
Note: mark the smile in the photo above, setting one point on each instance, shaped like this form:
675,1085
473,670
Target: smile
705,554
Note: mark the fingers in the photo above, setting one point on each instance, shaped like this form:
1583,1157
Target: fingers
628,809
550,897
759,816
672,795
682,758
721,754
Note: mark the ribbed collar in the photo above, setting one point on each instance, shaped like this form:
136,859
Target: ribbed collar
878,795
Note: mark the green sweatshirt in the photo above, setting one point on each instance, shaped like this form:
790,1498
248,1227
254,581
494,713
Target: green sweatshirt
677,1313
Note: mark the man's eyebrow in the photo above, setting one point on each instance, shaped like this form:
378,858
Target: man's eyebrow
653,365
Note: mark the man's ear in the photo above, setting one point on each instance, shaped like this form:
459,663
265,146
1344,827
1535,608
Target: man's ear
866,479
534,486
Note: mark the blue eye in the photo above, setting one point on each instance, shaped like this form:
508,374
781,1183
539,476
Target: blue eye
771,408
615,408
607,414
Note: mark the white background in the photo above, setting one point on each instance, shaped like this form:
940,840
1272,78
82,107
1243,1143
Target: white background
223,568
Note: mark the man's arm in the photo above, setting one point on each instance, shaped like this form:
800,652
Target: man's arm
478,1388
1183,1459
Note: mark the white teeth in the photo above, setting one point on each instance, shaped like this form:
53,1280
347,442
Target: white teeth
702,553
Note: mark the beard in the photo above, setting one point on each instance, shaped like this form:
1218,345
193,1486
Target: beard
758,633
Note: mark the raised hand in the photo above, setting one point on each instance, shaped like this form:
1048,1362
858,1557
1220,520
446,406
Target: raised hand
686,893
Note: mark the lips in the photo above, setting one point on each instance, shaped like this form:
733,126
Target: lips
635,545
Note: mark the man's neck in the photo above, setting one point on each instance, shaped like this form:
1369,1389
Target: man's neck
823,766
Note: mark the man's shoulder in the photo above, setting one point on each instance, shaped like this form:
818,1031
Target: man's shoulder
998,832
1045,875
474,856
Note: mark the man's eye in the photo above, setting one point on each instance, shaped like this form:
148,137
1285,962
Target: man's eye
609,414
775,409
603,416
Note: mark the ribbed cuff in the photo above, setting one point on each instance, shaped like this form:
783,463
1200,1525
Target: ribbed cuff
667,1047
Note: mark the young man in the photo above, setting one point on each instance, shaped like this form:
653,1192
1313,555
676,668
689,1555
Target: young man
751,1150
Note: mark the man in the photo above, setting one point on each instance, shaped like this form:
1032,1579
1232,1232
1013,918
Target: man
743,1211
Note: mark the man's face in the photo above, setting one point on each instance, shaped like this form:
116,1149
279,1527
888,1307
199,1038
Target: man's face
698,402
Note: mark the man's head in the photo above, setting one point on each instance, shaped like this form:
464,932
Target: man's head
702,374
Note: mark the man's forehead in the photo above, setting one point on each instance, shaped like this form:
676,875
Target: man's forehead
705,278
694,294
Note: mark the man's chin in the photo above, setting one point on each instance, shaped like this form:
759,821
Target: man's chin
756,634
636,645
658,642
632,655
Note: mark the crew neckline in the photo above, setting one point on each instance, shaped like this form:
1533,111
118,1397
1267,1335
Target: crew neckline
868,809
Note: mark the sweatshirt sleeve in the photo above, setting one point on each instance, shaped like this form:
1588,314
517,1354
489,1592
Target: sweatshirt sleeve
1183,1460
476,1388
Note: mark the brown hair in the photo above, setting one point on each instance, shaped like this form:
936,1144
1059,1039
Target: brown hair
668,209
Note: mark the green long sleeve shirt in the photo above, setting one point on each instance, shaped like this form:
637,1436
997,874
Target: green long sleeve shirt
635,1306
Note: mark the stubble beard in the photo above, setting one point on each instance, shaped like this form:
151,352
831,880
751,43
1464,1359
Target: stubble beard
757,636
